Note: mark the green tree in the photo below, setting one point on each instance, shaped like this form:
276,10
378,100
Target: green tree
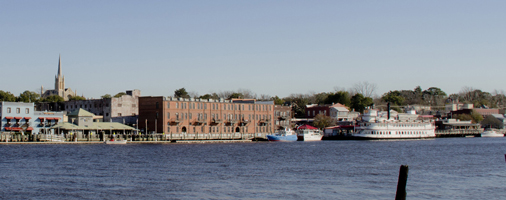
321,121
28,96
53,98
477,118
209,96
106,96
77,98
464,117
7,96
119,94
236,95
181,93
341,97
277,100
492,122
394,97
359,102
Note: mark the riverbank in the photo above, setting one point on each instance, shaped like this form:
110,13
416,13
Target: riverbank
137,142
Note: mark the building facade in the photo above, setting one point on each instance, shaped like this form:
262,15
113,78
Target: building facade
283,117
124,109
22,117
194,116
59,86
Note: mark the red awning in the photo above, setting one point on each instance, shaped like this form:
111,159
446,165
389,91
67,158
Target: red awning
56,118
29,129
9,117
18,117
41,118
306,127
49,118
13,129
27,117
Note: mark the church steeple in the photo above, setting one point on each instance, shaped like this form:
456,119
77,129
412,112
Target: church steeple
59,82
59,65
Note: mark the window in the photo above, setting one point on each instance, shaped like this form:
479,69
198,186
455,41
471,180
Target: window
27,110
18,110
119,114
168,115
168,104
168,129
177,105
8,110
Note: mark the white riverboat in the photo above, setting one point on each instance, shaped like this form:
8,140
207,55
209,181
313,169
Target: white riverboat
374,126
491,133
308,133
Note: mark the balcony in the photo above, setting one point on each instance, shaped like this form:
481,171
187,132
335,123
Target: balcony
215,122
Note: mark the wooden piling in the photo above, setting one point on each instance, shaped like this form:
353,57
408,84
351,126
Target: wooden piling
401,184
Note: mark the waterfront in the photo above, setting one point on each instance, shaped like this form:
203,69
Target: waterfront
443,168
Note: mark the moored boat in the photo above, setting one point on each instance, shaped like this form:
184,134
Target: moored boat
373,126
283,136
491,133
116,141
308,133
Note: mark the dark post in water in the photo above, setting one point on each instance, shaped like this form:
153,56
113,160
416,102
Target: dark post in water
401,184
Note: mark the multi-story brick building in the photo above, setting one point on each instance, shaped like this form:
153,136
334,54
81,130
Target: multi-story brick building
283,117
194,116
122,109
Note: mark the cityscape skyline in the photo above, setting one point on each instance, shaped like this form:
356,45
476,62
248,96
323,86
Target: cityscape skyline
274,48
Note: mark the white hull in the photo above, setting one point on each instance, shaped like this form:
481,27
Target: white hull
116,142
396,130
309,135
491,134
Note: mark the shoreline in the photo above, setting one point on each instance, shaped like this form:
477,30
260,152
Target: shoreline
137,142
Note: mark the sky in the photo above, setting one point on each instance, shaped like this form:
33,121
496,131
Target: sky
271,47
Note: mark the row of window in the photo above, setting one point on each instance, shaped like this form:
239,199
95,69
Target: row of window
284,114
217,116
18,110
214,129
215,106
90,106
398,133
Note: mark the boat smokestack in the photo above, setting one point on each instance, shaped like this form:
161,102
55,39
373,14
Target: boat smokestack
388,110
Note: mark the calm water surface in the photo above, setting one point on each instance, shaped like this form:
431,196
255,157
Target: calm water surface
449,168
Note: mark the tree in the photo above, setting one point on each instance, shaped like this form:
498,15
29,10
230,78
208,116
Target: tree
28,96
341,97
77,98
492,122
236,95
364,88
277,100
53,98
7,96
119,94
321,121
434,96
393,97
209,96
181,92
106,96
477,118
359,102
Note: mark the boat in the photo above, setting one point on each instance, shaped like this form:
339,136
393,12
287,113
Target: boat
283,136
411,126
308,133
113,141
491,133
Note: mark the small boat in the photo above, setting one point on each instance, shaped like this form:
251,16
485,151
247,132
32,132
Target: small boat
283,136
491,133
113,141
308,133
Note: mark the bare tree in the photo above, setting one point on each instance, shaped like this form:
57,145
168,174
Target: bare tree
265,97
365,88
193,94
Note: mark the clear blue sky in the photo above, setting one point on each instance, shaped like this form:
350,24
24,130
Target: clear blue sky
268,47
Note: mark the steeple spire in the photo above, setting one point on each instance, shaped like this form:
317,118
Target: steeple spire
59,65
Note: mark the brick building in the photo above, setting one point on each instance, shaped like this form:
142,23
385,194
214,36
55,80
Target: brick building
283,117
194,116
122,109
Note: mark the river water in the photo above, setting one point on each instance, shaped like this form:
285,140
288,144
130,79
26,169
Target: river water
446,168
